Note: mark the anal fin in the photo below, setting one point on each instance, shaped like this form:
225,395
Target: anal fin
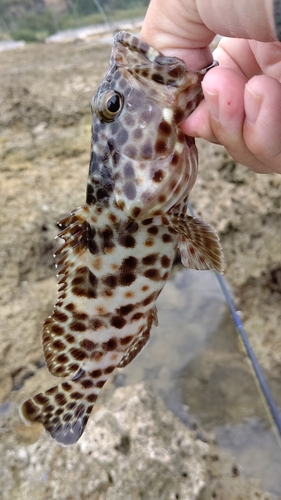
199,243
141,339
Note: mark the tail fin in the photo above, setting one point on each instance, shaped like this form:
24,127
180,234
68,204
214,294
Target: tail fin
64,410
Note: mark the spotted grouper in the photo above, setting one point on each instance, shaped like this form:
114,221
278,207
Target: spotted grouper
119,247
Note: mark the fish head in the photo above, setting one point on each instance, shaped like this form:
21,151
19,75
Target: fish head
137,111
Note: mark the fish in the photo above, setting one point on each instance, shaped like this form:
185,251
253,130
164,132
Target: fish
120,245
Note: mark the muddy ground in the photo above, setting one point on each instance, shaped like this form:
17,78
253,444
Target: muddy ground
45,121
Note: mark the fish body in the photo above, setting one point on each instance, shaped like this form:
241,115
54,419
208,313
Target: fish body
119,247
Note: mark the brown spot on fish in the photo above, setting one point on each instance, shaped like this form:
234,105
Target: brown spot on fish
87,383
111,344
76,395
78,354
165,128
136,211
175,160
61,359
149,299
166,238
149,242
67,417
58,345
137,316
160,148
41,399
146,222
60,399
70,338
88,344
129,264
95,373
112,218
77,326
66,386
51,391
96,324
124,310
152,230
101,311
126,279
100,383
178,115
110,280
70,307
165,261
159,174
117,322
152,274
91,398
161,199
97,263
60,316
97,356
126,340
127,240
150,259
57,329
109,369
131,227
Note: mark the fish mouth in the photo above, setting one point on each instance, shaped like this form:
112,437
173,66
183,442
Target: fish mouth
147,55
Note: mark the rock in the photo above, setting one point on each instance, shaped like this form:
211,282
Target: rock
133,448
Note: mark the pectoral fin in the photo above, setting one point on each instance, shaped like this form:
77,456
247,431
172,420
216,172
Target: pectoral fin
199,243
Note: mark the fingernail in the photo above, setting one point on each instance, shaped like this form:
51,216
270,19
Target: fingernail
212,100
252,105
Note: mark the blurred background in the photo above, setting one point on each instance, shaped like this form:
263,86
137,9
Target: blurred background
35,20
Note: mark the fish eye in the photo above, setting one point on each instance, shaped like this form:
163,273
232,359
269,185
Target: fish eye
113,104
108,106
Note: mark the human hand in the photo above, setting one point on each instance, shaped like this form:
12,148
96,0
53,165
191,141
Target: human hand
242,105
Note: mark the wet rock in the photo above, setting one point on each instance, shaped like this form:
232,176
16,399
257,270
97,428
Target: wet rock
133,448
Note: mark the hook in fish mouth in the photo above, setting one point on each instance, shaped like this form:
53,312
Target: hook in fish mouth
204,70
212,65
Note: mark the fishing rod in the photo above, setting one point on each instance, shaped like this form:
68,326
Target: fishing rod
265,393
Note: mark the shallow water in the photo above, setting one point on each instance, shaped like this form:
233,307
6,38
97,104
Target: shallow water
195,363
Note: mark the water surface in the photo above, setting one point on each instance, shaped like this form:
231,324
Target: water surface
195,363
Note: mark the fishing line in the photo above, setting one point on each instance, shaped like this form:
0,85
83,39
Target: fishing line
263,388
